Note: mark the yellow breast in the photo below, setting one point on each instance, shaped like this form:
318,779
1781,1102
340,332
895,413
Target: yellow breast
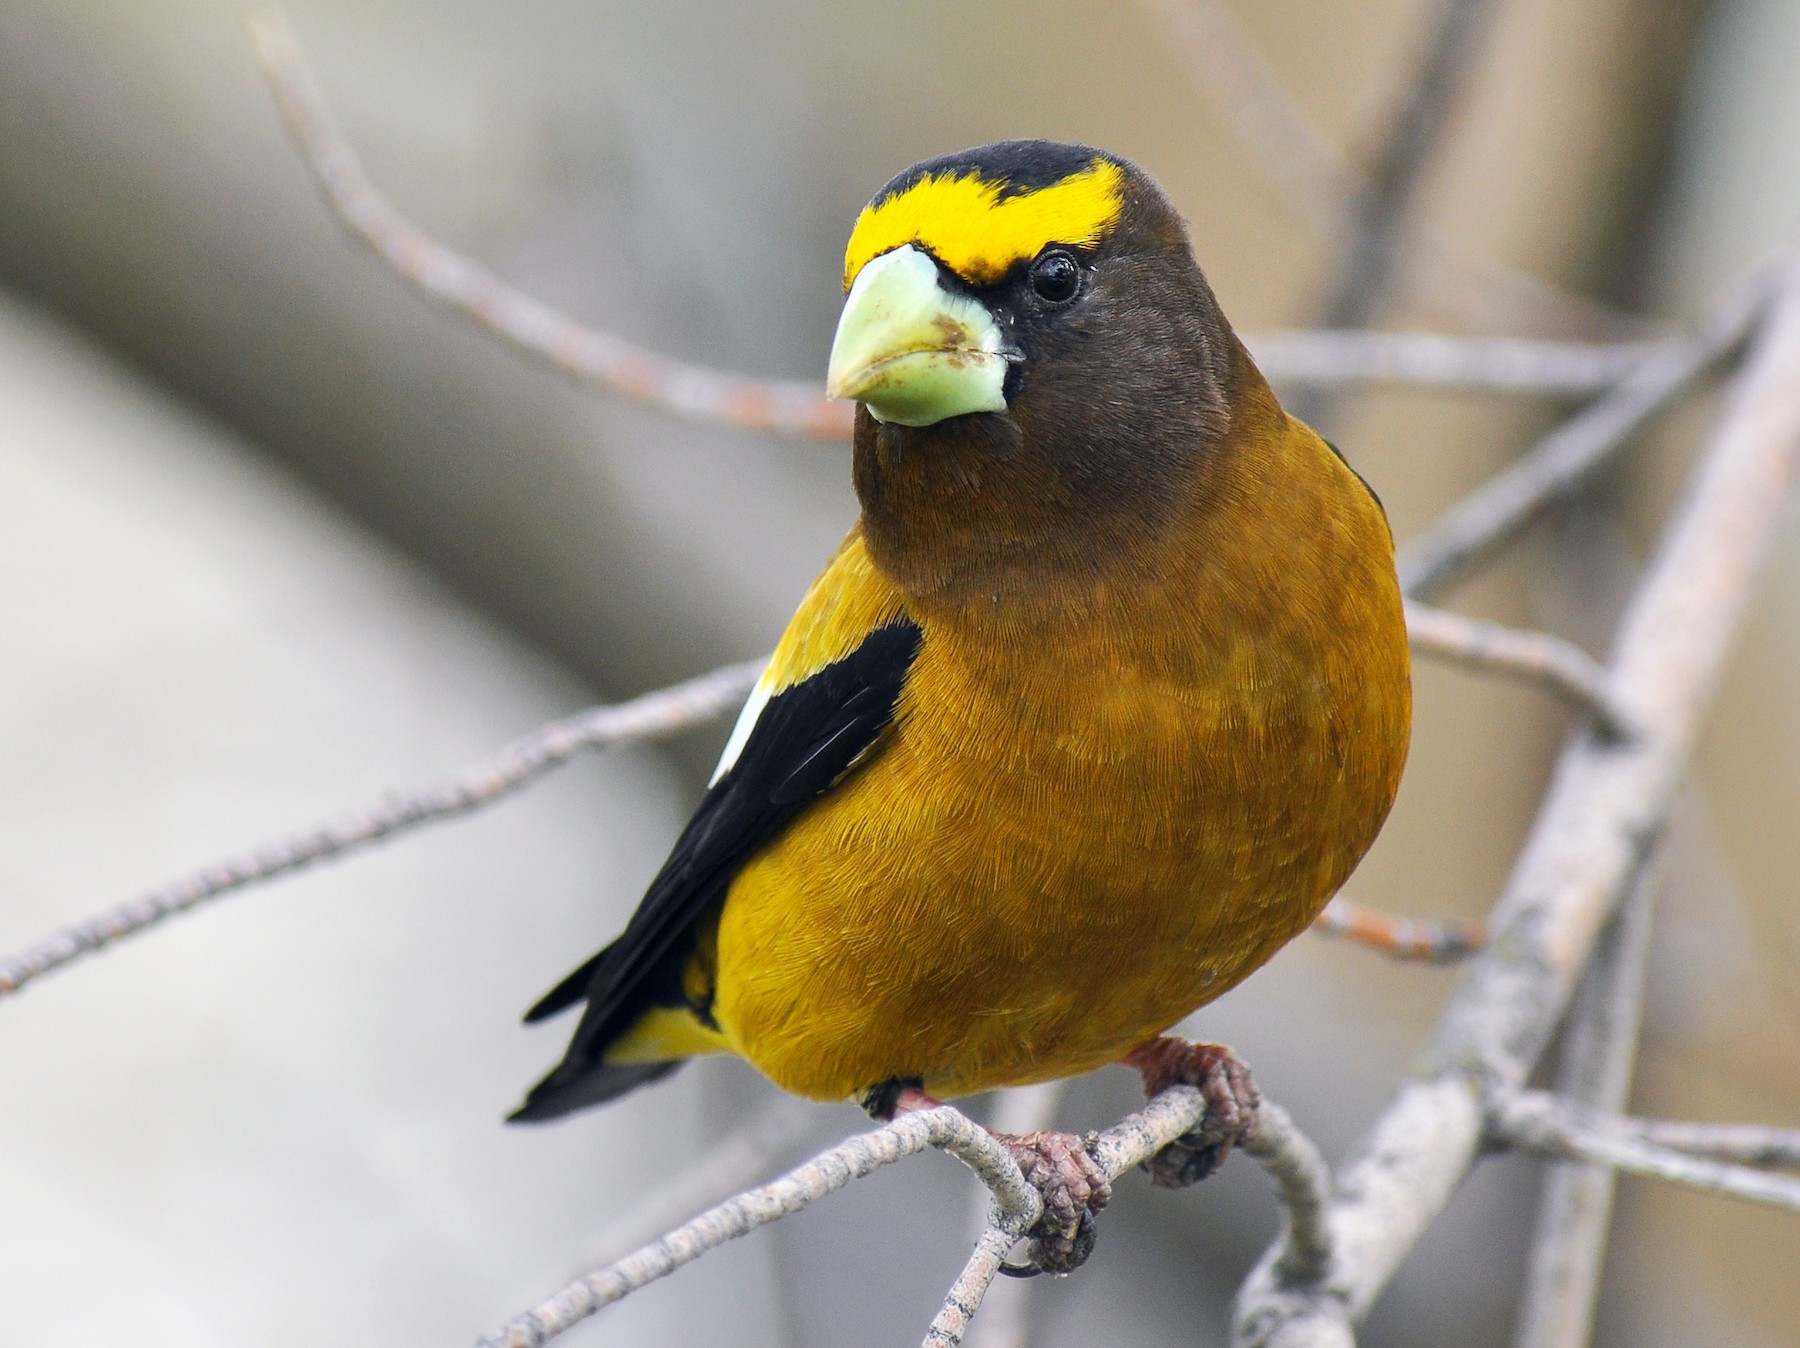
1094,812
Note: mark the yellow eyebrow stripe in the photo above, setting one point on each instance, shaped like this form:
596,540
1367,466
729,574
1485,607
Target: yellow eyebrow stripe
962,221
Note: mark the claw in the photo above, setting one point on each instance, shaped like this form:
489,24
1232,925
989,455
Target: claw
1231,1099
1057,1165
1076,1256
1074,1188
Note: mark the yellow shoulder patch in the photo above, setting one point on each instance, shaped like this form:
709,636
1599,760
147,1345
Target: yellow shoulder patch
849,600
962,221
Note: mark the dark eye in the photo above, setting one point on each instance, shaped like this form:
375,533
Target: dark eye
1055,275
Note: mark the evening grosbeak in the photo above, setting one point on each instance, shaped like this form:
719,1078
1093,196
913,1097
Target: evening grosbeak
1098,704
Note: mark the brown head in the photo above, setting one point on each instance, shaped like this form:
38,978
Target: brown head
1042,368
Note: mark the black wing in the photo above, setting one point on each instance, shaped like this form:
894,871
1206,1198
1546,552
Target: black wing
805,740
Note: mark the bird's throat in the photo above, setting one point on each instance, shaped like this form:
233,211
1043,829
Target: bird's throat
966,510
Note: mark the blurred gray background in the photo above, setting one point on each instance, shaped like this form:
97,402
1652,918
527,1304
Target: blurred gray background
278,536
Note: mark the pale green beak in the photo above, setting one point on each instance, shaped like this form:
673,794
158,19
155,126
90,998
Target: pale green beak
911,351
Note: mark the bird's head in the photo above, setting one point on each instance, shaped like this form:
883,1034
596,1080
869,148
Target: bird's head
1034,344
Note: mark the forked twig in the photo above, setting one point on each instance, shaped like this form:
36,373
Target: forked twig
1004,1319
1290,1157
944,1128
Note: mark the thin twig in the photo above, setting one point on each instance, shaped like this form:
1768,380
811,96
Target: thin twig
1302,1182
654,715
1401,938
1130,1142
1016,1206
972,1286
1434,361
1559,667
1564,460
1303,1252
1004,1319
1137,1137
1607,804
648,717
1744,1143
944,1128
1282,1148
1367,266
1429,94
1568,1246
1538,1121
1325,190
467,289
743,1157
464,287
1271,134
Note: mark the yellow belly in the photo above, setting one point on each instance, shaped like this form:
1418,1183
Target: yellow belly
1060,852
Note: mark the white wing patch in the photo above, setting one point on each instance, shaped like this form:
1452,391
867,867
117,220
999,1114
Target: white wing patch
740,733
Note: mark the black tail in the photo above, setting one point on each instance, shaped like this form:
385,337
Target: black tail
577,1083
572,1087
567,993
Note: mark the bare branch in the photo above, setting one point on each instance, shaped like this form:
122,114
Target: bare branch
1137,1137
1304,1182
1606,806
732,1164
1568,1248
1383,215
1538,1121
1431,360
1275,140
467,289
1272,136
1559,667
1130,1142
1004,1321
1744,1143
1563,461
977,1278
1016,1202
1402,938
651,716
1016,1206
543,333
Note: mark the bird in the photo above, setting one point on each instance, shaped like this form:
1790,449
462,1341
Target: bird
1099,702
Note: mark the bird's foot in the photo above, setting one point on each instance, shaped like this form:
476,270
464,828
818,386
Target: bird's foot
1073,1187
1231,1099
1057,1165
